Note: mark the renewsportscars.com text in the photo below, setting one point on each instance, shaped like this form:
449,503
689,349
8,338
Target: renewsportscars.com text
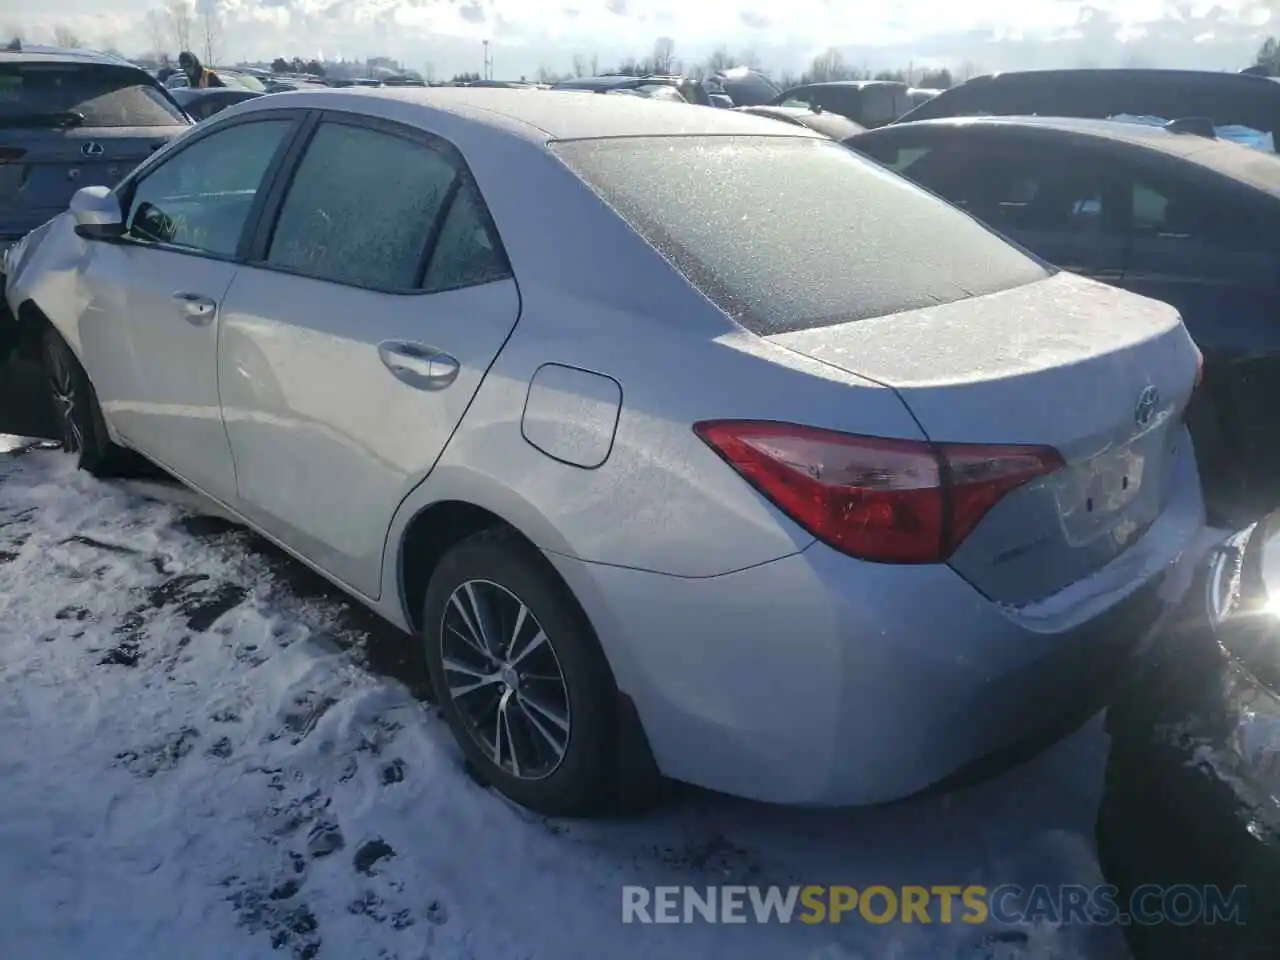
1007,904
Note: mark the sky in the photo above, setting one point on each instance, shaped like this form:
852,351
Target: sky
446,36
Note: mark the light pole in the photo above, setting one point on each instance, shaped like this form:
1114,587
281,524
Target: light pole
488,64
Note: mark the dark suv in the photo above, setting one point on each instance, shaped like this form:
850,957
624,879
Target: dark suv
72,119
1228,99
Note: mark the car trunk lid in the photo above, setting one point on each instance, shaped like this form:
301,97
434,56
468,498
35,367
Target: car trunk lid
41,168
1098,374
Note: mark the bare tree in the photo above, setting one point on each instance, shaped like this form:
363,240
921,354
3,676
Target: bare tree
828,65
579,65
211,31
595,65
180,16
664,55
12,33
429,72
64,37
157,31
720,59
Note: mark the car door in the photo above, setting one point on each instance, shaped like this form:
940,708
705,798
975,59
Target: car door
374,302
1209,250
150,333
1057,200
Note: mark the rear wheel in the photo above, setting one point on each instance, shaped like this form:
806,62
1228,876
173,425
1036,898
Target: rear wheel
521,679
77,417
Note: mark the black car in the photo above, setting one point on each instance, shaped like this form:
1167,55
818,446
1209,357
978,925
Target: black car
1177,216
1228,99
70,119
200,104
743,86
1191,799
871,103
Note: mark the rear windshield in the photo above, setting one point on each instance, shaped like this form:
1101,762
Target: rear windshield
105,96
790,233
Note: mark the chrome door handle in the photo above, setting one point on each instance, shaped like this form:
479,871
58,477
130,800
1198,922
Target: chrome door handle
197,308
419,365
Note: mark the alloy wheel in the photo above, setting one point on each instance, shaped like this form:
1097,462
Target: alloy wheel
62,388
505,680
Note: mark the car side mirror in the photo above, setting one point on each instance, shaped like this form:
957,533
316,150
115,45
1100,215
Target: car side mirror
97,214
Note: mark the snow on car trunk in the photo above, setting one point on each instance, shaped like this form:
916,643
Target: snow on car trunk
198,761
1095,373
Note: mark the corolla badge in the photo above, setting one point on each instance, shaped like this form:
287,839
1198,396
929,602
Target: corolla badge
1148,401
92,149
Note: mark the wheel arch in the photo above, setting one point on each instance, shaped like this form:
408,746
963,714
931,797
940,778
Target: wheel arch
453,504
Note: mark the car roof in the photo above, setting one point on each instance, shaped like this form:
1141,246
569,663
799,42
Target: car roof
1248,165
849,83
31,53
1118,75
613,80
776,110
537,115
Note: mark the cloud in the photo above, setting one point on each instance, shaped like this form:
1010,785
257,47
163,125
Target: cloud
783,34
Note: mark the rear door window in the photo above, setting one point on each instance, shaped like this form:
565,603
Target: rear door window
789,233
90,95
361,208
880,104
846,101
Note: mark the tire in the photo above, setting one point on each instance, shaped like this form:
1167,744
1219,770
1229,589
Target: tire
491,575
77,417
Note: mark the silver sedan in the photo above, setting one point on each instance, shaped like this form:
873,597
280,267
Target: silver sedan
688,443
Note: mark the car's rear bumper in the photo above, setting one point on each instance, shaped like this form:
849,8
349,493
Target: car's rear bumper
821,680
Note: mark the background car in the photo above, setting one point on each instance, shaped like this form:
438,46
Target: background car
831,125
733,487
69,119
1192,789
1176,216
1228,99
871,103
921,95
742,85
203,104
689,90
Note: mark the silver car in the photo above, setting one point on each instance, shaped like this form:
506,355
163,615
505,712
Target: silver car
688,442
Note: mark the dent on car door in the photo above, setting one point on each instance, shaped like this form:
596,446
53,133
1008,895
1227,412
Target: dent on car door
1211,253
356,337
150,335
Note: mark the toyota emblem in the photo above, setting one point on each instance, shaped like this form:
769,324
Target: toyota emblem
92,149
1148,401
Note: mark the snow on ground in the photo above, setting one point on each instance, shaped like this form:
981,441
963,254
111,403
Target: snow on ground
207,754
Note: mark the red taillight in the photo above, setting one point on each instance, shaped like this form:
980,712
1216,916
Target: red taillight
891,501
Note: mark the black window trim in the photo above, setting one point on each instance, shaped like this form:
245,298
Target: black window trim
124,191
259,243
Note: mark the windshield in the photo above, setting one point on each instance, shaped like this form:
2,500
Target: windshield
787,233
78,94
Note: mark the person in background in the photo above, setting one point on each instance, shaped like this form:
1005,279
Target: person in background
198,75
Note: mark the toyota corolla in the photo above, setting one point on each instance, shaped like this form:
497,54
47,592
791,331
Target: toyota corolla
686,442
